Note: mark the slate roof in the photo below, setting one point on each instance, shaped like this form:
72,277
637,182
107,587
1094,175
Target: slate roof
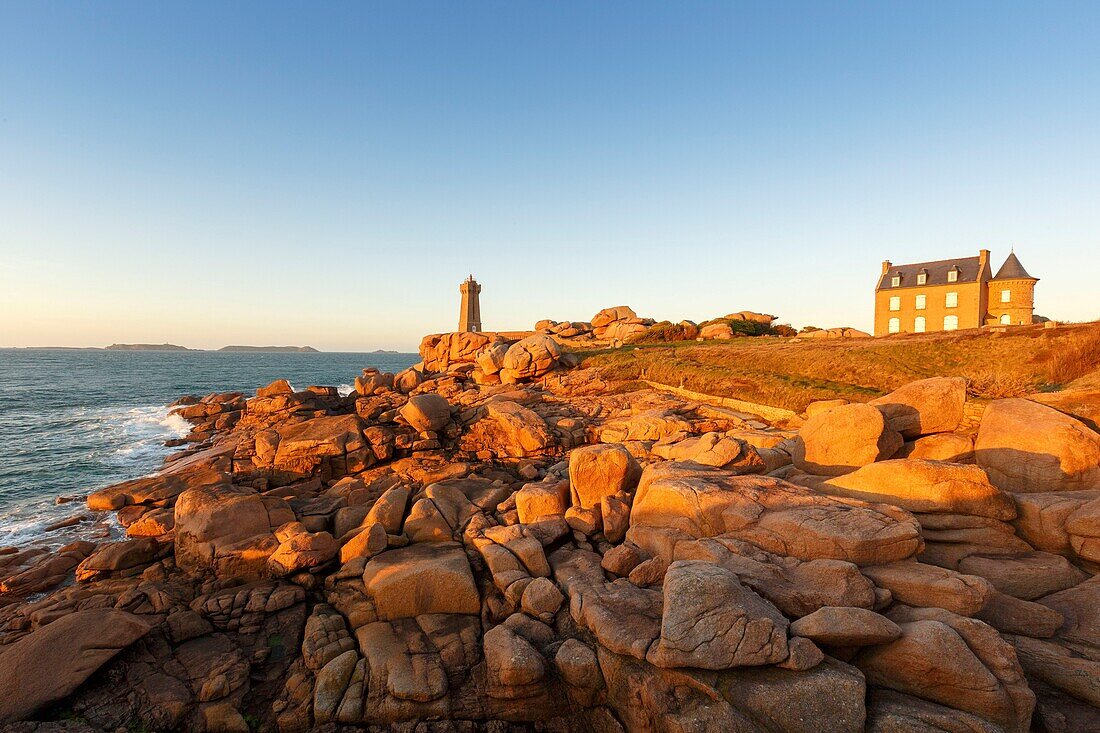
1012,270
937,273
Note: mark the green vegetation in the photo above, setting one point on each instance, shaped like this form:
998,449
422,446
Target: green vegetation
792,373
668,332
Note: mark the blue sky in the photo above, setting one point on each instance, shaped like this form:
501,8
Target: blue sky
327,174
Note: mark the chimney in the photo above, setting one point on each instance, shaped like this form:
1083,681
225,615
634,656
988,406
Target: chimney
886,265
983,256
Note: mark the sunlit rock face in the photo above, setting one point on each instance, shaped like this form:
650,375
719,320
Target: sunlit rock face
491,542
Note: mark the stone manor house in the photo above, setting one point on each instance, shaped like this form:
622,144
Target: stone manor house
947,295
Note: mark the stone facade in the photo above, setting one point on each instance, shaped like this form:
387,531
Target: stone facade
947,295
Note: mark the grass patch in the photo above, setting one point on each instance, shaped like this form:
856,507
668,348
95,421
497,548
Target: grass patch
791,374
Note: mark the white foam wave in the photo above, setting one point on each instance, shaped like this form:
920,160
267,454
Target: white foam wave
344,390
177,425
119,442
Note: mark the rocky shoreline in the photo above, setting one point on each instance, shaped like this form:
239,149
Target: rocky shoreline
499,540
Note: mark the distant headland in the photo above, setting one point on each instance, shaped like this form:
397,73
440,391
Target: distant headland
175,347
308,349
147,347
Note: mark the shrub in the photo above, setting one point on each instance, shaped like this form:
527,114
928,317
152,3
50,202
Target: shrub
663,332
739,327
785,330
992,384
1075,357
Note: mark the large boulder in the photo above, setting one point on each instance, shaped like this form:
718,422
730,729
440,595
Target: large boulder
305,446
1043,518
373,381
48,664
124,558
507,429
408,380
491,360
1078,607
926,406
439,351
719,330
925,486
544,500
828,697
1064,670
1027,576
529,358
844,438
1028,447
1083,528
596,471
713,449
796,587
624,618
300,549
678,501
625,330
430,577
752,316
655,424
426,412
408,666
953,447
711,621
844,626
918,584
607,316
510,660
228,530
892,712
276,388
958,662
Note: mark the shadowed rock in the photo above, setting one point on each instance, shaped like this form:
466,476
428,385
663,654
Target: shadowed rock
1028,447
50,663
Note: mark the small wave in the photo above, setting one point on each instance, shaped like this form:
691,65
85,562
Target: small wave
179,427
82,449
344,390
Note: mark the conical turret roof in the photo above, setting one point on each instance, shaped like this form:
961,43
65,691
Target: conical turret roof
1012,270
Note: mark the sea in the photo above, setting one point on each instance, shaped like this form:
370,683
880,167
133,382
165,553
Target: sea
76,420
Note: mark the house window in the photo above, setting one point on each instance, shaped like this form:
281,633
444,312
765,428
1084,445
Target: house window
895,325
922,301
952,300
895,302
1006,296
895,281
922,279
952,276
950,323
1006,319
918,325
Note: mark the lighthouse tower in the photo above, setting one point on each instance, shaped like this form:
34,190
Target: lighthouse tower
469,318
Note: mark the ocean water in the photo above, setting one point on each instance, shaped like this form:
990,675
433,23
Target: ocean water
72,421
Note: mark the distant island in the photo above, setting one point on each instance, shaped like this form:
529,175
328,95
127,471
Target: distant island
302,349
175,347
384,351
147,347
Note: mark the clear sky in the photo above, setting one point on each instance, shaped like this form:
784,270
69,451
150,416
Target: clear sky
327,173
